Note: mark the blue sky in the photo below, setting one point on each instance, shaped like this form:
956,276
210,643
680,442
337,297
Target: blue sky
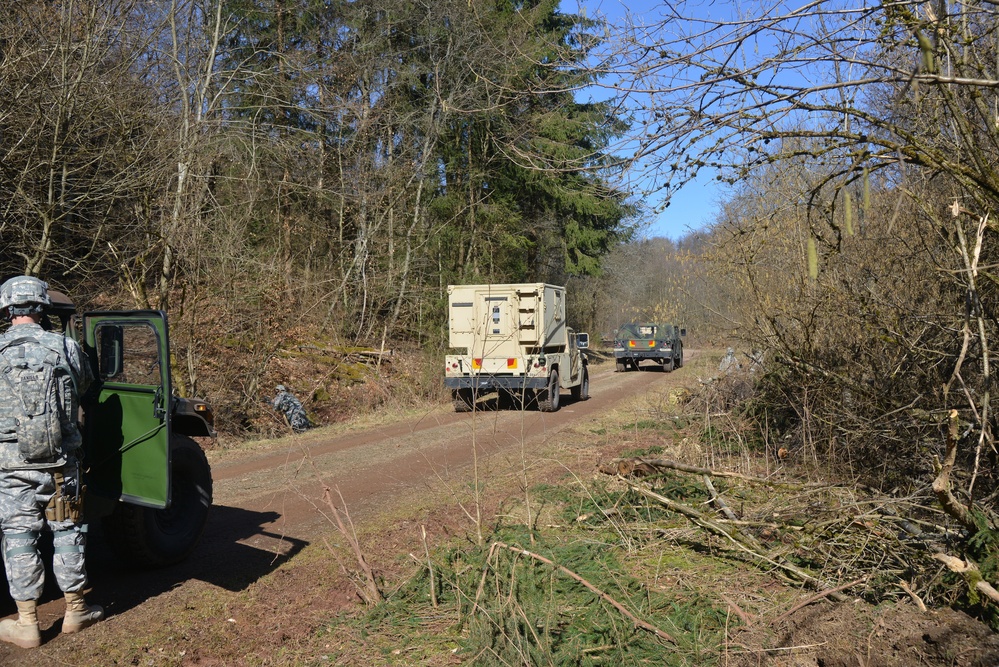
696,204
690,209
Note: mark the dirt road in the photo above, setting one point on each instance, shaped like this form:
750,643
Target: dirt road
267,505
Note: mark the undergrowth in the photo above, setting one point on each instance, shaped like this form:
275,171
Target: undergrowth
611,576
518,599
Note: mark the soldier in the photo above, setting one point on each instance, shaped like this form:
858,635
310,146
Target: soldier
285,402
42,376
729,363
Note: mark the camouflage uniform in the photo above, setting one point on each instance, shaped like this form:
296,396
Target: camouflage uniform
729,363
286,403
26,488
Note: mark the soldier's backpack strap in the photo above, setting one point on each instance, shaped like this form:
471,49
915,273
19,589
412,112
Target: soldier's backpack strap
61,355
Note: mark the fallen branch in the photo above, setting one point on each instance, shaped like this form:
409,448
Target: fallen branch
717,499
941,485
821,595
912,594
372,592
743,542
569,573
971,574
642,466
739,611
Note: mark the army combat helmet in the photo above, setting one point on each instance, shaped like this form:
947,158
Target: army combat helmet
23,295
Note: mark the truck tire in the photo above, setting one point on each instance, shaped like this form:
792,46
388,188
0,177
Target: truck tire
548,397
463,399
581,391
620,366
149,537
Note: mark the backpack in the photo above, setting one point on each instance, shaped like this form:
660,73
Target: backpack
34,384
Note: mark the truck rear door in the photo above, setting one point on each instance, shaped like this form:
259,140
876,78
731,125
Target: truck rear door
127,425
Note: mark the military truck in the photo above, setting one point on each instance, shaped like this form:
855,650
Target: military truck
147,480
513,339
640,341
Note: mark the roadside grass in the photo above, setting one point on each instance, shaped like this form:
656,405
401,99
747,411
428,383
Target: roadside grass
589,575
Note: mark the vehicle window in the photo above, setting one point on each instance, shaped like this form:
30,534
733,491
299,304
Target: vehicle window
647,331
129,353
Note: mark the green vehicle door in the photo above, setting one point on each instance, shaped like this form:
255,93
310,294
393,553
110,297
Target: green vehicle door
127,424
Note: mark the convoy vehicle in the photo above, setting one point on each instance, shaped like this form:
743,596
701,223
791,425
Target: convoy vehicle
147,480
513,339
638,341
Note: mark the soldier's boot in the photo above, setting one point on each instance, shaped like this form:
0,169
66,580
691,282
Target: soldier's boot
24,631
79,614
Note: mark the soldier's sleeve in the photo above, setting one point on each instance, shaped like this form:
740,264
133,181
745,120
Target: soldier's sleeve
82,375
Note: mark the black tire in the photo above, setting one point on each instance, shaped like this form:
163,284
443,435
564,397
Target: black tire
668,365
581,391
679,361
149,537
463,399
620,366
548,398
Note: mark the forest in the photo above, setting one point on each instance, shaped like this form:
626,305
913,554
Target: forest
296,180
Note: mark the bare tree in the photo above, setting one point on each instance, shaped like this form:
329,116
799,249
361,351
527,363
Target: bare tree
859,143
74,135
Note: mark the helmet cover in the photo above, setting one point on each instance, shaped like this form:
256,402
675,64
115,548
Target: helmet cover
24,294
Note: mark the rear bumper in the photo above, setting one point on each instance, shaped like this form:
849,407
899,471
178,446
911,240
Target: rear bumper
487,382
642,354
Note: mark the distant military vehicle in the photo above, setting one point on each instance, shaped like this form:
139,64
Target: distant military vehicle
513,339
637,342
146,479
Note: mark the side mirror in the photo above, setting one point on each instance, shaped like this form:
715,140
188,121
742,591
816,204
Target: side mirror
582,341
110,341
683,332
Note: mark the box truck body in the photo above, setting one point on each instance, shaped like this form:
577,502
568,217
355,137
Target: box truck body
513,338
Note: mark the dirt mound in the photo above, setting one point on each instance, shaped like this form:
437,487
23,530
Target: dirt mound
859,635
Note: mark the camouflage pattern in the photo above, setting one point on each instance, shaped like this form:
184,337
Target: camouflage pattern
729,362
72,358
286,403
24,492
22,291
23,497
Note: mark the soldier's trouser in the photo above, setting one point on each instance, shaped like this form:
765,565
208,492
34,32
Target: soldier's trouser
24,495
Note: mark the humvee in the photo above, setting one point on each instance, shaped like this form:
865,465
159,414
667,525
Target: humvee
638,341
147,480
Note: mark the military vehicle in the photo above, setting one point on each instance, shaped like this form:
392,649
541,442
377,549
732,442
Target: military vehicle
637,342
147,480
513,339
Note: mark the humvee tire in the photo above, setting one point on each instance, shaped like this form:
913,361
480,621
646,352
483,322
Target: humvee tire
548,397
149,537
581,391
463,400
